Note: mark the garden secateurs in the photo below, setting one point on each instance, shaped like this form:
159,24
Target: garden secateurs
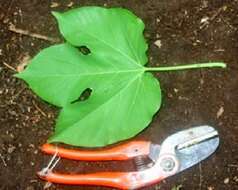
177,152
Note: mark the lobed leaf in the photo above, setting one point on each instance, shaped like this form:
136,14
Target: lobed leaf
124,96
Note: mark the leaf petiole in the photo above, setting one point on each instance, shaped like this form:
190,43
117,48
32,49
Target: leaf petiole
190,66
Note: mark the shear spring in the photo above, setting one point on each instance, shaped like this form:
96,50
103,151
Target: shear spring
140,163
52,163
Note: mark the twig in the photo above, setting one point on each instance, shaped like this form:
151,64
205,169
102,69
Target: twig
47,185
232,27
4,163
200,176
17,94
233,165
8,9
12,28
40,110
9,66
212,18
216,13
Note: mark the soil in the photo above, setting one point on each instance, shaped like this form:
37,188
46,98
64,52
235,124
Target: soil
189,31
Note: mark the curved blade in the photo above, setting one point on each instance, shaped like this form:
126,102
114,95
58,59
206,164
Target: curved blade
203,146
191,146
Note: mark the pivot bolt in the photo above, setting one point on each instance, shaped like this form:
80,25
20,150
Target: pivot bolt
167,164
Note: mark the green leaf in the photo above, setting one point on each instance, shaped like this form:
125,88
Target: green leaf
124,97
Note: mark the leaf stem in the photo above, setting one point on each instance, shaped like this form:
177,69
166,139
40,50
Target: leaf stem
190,66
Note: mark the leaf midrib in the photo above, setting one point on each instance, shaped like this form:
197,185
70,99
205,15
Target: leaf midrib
91,74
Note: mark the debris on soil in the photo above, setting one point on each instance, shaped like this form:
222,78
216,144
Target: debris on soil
226,181
54,5
30,188
47,185
70,4
24,60
39,109
3,160
9,66
158,43
235,179
220,112
204,20
11,149
13,28
177,187
210,188
176,90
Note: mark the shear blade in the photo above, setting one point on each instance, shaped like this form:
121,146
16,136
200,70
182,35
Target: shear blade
198,147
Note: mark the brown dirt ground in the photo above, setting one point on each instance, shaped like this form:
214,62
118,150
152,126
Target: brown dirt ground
189,97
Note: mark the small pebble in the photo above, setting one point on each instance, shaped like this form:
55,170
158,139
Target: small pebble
176,90
210,188
70,4
204,20
235,179
54,4
226,181
158,43
11,149
157,36
170,95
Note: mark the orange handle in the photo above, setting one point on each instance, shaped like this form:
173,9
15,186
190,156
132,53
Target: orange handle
120,180
121,152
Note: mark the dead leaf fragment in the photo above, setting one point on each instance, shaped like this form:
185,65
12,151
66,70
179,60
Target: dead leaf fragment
158,43
70,4
54,4
204,20
220,112
11,149
47,185
210,188
226,181
24,60
176,90
177,187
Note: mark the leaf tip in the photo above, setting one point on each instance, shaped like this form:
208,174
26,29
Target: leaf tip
51,140
17,75
57,15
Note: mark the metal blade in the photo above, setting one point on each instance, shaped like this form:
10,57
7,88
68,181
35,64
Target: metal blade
191,146
186,137
198,148
194,154
197,140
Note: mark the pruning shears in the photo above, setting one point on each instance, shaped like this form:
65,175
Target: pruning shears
177,152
